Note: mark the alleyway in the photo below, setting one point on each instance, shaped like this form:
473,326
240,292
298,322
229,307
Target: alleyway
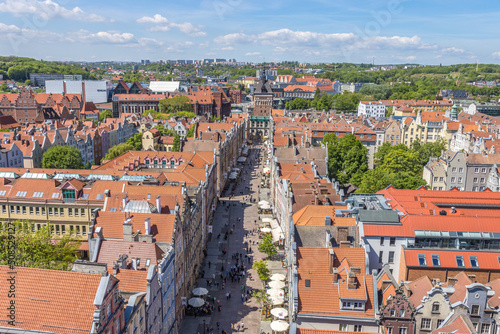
233,311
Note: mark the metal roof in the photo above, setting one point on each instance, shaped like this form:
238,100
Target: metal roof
140,207
378,216
35,176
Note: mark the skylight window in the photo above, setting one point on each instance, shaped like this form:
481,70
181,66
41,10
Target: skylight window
85,196
3,192
100,196
460,261
55,195
112,210
473,261
21,194
38,194
421,260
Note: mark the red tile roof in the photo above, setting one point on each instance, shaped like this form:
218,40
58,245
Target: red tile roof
447,258
50,300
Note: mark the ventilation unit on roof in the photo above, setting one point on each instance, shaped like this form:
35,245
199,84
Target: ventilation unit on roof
443,213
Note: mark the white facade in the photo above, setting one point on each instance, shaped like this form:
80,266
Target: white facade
162,87
371,109
95,90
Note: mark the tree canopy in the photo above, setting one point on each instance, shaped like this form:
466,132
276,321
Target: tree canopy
39,249
118,150
267,246
136,141
176,145
175,104
66,157
105,114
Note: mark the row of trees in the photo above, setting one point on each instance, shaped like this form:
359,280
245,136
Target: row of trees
345,102
398,165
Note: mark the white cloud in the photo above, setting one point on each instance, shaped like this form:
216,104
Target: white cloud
227,48
161,23
113,37
12,29
234,39
188,29
252,53
452,50
47,10
496,55
156,19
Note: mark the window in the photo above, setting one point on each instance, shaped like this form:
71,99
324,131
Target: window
380,257
441,179
82,212
435,260
24,210
389,330
392,241
43,210
37,194
459,180
358,328
476,170
308,283
439,322
483,170
99,196
401,313
481,180
475,180
421,260
403,330
381,241
4,208
343,327
63,229
425,324
485,328
474,310
68,194
70,212
50,212
76,213
57,229
77,229
453,179
473,261
31,210
435,308
454,170
461,170
21,194
55,195
84,230
391,257
12,209
460,260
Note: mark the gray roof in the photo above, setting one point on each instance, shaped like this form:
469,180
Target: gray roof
140,207
378,216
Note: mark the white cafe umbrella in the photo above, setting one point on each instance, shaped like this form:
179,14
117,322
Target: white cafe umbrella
276,284
200,291
275,293
279,312
263,202
277,277
275,300
266,170
265,230
265,206
196,302
279,325
266,220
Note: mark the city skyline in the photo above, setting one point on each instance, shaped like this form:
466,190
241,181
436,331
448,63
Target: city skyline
396,31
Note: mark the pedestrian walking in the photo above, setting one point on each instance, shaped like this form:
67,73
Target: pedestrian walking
208,264
242,326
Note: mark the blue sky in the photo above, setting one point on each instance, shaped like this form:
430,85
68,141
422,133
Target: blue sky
392,31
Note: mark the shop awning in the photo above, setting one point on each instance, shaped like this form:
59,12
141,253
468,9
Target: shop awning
233,176
242,159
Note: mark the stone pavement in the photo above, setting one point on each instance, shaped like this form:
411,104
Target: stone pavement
234,311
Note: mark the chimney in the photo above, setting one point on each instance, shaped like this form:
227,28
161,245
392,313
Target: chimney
84,96
351,281
107,192
335,276
328,221
115,268
135,263
127,230
344,244
147,226
125,201
158,204
64,87
453,210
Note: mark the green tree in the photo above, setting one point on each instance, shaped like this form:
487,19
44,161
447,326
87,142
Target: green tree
190,133
136,141
118,150
105,114
175,104
66,157
165,132
267,245
399,160
176,145
39,249
262,270
4,88
263,298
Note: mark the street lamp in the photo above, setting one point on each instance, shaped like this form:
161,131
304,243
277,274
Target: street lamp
204,326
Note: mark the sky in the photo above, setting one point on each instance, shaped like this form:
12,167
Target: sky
359,31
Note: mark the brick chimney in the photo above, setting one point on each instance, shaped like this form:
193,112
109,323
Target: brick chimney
335,276
342,234
351,281
127,230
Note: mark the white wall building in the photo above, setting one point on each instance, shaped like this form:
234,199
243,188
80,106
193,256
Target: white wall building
371,109
95,90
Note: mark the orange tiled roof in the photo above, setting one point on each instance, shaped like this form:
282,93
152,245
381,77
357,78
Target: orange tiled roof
447,258
131,280
50,300
111,249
